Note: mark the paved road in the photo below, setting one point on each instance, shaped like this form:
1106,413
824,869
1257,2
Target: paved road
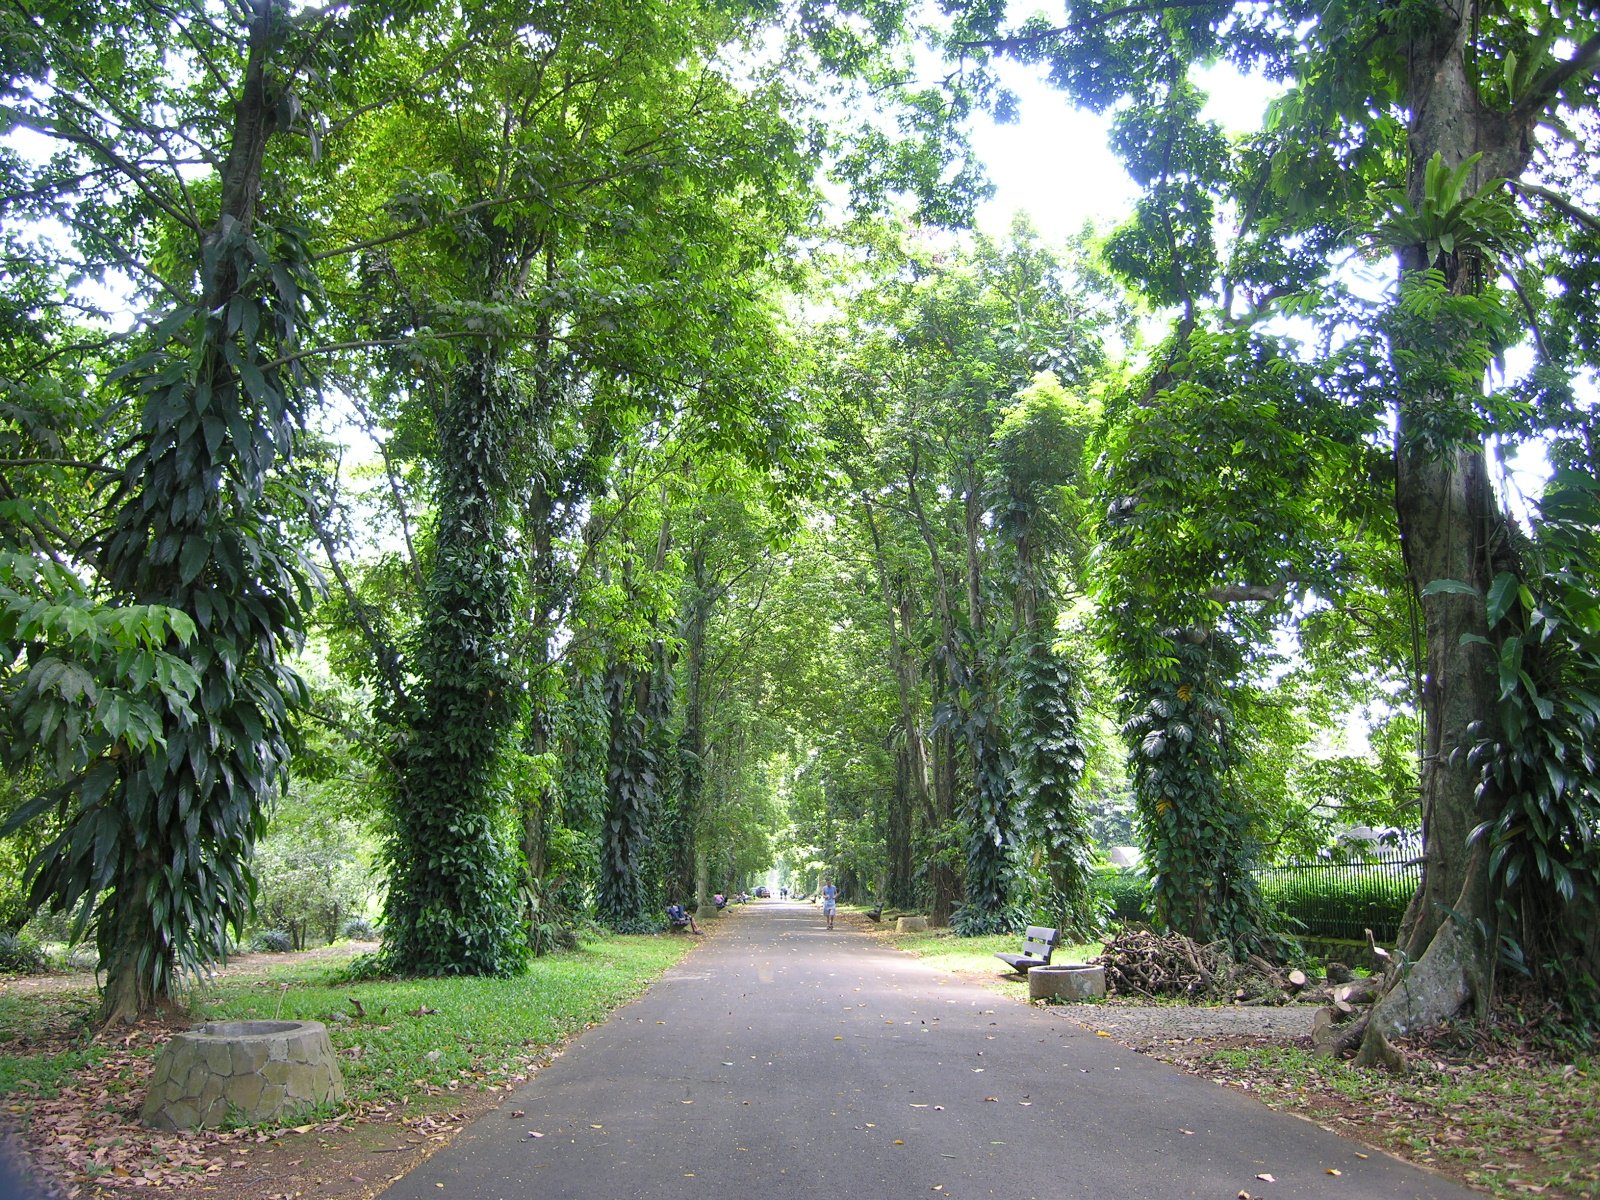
779,1061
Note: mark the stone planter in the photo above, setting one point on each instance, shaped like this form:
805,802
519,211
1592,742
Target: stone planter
246,1071
1068,981
910,924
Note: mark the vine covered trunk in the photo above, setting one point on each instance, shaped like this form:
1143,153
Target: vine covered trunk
452,906
1452,533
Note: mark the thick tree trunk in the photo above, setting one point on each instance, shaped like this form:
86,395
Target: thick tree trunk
942,877
140,955
1450,530
898,887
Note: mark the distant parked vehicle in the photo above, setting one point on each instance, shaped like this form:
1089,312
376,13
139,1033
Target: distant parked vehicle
763,893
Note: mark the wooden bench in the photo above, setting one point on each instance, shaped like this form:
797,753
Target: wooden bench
1037,946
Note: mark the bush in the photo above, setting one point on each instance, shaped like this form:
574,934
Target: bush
83,957
1125,893
1342,900
21,955
273,941
359,929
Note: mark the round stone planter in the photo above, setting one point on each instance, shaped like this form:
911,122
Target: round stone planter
247,1071
1066,982
910,924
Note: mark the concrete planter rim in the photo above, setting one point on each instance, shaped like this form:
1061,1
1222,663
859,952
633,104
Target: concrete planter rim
235,1030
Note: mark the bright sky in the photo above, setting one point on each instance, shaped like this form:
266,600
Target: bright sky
1054,165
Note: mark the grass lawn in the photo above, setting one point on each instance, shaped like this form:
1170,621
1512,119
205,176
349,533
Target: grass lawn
416,1056
976,955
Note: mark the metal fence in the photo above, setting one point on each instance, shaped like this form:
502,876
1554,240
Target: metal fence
1344,900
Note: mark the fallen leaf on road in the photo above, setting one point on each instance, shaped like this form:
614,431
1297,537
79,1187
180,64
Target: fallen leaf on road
899,1141
1332,1171
992,1099
1266,1177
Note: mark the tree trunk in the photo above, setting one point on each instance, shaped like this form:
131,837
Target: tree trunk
946,886
140,955
1450,530
691,744
898,890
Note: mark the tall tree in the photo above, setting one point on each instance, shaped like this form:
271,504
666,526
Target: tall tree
1453,138
948,346
164,176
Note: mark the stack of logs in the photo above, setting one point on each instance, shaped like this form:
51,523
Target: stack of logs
1139,962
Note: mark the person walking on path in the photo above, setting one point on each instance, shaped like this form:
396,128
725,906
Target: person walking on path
830,900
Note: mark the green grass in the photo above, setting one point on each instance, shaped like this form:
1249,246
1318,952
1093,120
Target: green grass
977,954
479,1032
44,1040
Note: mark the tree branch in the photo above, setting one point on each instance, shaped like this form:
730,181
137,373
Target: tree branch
1543,90
1237,593
1025,40
1582,216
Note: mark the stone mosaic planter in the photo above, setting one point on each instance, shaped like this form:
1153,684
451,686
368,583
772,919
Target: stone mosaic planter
247,1071
1066,982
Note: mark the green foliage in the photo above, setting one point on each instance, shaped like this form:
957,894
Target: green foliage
1458,217
1540,771
1218,470
314,870
1341,900
451,906
1051,756
625,901
1198,844
79,674
1124,893
21,954
155,842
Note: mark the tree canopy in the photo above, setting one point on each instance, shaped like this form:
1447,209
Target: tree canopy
679,491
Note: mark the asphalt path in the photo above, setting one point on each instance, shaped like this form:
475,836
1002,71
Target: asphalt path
780,1061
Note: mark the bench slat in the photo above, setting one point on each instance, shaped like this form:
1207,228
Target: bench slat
1038,944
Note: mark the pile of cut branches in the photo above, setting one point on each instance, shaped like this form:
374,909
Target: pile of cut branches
1139,962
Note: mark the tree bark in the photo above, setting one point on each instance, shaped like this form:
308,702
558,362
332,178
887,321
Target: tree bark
1450,529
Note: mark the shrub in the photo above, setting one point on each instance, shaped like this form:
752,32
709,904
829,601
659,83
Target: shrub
21,955
273,941
1125,893
1342,900
83,957
359,929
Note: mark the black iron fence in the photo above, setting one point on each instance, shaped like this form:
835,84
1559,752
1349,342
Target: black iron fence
1344,899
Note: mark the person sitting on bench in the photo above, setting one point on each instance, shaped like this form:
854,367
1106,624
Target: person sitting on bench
679,918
